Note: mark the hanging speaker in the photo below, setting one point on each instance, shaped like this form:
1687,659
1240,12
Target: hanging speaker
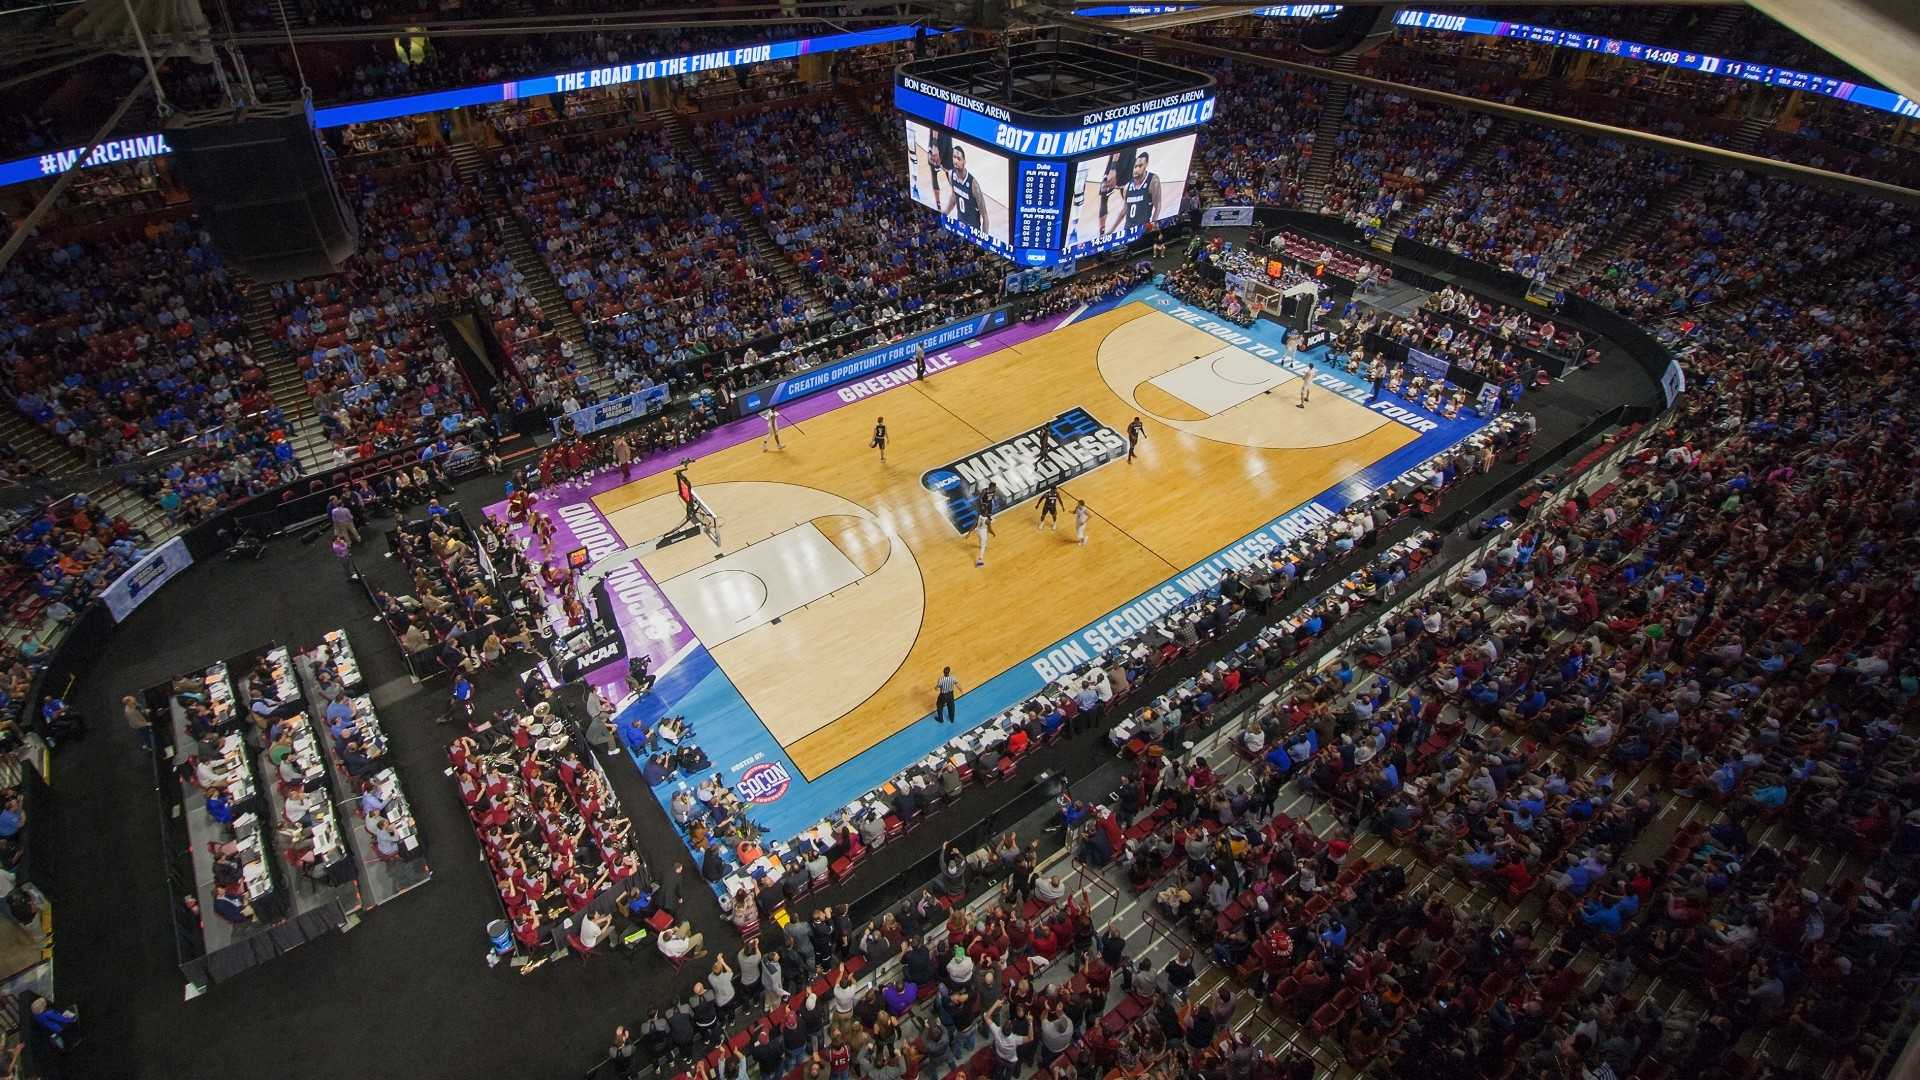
263,190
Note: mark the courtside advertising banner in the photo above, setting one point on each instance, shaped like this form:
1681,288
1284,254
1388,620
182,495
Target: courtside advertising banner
133,587
1427,364
1215,217
873,363
613,411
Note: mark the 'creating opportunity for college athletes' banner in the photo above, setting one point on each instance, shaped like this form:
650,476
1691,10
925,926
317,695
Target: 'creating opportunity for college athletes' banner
795,387
139,582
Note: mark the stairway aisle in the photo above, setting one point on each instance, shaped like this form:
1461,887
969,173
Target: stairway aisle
1723,23
1658,212
1468,166
853,104
290,10
1749,132
284,384
680,136
1333,120
1649,222
534,270
66,469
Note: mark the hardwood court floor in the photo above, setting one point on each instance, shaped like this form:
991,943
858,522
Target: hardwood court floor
857,660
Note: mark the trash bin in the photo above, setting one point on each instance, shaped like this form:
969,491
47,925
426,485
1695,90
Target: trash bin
502,934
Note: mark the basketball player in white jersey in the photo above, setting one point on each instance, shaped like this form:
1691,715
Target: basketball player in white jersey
1080,516
773,430
964,200
1143,197
982,528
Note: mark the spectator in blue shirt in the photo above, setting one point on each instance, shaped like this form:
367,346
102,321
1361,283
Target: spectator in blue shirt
13,817
220,806
339,718
1333,935
1604,918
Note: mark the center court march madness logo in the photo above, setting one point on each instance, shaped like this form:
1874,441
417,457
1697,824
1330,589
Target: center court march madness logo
764,783
1071,444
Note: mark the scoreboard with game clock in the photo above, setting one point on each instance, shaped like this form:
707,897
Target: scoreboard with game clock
1050,149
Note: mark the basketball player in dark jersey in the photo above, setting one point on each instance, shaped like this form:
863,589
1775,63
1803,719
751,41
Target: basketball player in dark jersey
989,505
880,438
964,200
1143,196
1050,508
1109,187
936,166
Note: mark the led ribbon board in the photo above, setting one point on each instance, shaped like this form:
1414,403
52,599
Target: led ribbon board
1872,97
1277,11
1051,137
154,144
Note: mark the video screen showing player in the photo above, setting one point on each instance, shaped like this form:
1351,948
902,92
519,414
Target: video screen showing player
967,184
1118,194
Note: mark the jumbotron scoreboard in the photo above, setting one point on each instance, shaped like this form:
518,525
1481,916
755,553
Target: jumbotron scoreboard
1050,149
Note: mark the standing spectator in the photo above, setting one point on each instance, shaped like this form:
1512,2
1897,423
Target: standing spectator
622,1053
1006,1044
341,515
138,720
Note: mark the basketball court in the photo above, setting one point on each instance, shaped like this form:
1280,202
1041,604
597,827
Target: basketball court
811,634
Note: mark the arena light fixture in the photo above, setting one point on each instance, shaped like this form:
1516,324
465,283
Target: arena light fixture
143,27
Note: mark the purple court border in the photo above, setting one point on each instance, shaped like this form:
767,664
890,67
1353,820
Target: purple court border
663,647
748,428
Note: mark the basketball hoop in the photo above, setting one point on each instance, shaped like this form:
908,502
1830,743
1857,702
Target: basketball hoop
684,487
708,521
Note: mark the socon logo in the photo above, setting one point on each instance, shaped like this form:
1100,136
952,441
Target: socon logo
764,783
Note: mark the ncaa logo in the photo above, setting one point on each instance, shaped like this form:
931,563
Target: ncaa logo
600,655
941,480
764,783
